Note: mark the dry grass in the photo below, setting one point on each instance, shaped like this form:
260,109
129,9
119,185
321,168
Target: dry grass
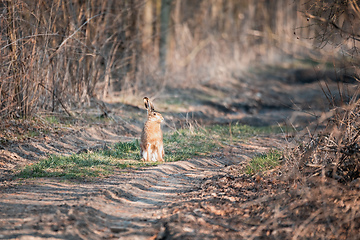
322,176
61,55
334,151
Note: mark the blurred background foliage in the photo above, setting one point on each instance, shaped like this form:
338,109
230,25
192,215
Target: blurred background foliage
60,55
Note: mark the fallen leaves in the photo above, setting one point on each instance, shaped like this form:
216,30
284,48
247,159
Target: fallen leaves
230,208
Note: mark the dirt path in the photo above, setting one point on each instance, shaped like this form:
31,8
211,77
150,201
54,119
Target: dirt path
128,205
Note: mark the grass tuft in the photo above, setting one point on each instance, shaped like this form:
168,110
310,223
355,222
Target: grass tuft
263,162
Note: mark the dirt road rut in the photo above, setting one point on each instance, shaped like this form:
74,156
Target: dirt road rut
127,205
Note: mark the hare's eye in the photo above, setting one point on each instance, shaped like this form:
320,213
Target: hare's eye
154,114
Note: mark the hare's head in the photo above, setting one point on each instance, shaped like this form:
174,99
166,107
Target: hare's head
153,116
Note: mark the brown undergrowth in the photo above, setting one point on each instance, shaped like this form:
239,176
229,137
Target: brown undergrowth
334,152
242,207
314,194
238,206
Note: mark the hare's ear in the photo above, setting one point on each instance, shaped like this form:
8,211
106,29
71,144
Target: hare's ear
151,106
146,102
148,105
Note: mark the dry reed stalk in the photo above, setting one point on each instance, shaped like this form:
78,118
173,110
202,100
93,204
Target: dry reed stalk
92,49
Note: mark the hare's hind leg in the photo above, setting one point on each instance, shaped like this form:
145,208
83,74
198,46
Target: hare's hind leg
148,149
143,155
145,152
160,153
142,152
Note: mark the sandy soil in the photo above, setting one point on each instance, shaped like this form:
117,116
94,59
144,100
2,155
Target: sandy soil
129,204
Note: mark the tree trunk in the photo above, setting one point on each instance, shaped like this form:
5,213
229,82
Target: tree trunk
164,26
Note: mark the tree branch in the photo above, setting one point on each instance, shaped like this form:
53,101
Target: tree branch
332,23
58,98
66,39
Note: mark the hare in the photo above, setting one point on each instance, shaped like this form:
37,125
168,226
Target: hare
151,145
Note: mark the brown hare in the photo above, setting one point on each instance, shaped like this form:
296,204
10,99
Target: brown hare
151,146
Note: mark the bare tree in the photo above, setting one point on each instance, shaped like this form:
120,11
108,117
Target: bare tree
164,33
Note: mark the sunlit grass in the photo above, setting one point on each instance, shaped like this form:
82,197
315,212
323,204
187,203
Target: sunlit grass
182,144
52,120
185,143
91,164
263,162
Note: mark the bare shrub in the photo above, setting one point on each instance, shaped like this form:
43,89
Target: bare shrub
334,152
54,53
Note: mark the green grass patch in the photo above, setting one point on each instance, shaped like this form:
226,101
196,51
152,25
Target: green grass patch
179,145
52,120
238,132
263,162
100,163
123,150
186,143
